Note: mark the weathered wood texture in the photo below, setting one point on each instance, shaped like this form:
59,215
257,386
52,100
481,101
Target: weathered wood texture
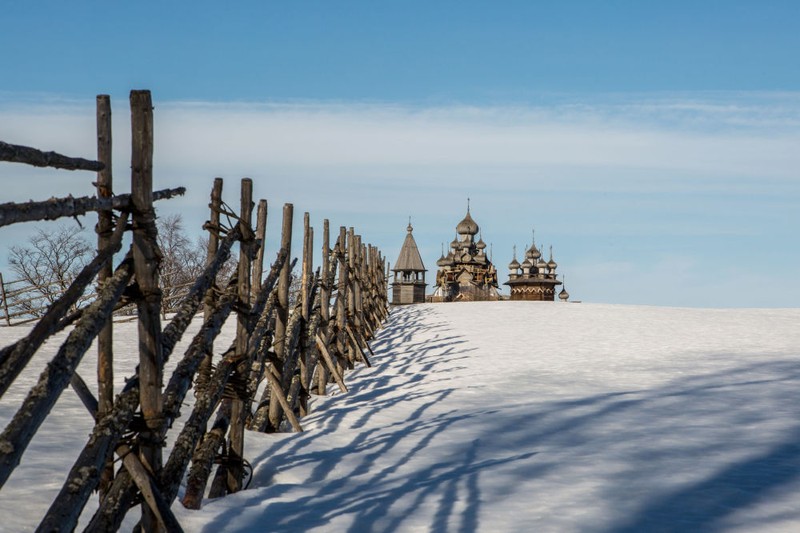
261,236
203,459
107,432
113,509
54,208
104,228
84,476
282,309
19,432
146,260
213,227
236,432
37,158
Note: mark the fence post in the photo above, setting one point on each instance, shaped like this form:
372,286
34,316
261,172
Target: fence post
341,301
282,309
304,273
308,274
325,299
261,235
146,257
204,371
236,448
105,226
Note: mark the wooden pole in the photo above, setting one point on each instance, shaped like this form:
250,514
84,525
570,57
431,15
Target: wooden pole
146,260
352,293
213,233
204,373
331,364
13,213
38,158
341,297
261,236
325,299
282,309
308,268
236,448
105,226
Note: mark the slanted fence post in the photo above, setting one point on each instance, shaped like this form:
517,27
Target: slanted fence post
146,258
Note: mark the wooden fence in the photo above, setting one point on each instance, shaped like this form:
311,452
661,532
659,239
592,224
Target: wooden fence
261,382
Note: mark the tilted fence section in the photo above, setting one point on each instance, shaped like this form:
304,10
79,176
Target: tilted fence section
281,354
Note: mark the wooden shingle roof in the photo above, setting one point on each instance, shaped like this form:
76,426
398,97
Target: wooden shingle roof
409,258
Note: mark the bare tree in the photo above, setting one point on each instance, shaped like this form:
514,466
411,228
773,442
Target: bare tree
47,265
295,287
183,260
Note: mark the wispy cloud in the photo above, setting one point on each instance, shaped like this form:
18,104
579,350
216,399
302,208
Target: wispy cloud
669,167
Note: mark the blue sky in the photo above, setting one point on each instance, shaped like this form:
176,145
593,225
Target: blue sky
654,145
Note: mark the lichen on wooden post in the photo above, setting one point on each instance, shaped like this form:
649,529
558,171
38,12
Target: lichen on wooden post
236,448
146,259
282,309
105,225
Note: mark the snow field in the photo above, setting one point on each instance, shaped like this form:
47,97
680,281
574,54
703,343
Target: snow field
508,416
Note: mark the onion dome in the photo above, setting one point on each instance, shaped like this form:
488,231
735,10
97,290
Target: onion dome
480,245
514,264
563,295
455,244
526,265
541,265
551,264
533,252
442,260
445,260
467,226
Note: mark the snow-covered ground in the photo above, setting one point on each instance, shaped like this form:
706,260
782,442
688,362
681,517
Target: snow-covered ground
511,416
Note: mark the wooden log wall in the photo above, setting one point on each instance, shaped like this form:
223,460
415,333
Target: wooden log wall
281,355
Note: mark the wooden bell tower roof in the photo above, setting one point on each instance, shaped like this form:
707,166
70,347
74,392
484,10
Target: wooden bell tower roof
409,259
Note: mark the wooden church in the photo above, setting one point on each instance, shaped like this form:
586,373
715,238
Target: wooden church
409,284
534,279
466,273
